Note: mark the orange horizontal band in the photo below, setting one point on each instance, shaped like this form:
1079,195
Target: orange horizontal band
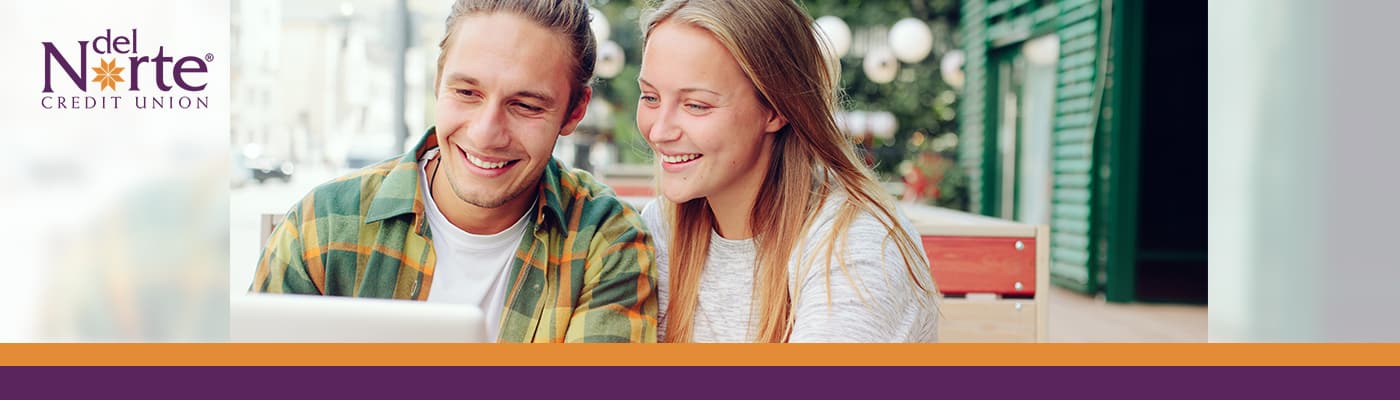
242,354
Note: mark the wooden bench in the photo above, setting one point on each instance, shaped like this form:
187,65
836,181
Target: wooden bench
994,274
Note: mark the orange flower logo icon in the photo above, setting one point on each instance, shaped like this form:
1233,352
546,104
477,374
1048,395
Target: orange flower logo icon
109,74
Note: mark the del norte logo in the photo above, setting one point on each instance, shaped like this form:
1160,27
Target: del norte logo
112,72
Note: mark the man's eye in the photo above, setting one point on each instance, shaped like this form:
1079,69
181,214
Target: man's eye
529,108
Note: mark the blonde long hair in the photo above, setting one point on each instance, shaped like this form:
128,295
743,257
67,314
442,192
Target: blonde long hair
776,46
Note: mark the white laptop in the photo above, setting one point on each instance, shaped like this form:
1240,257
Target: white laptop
303,318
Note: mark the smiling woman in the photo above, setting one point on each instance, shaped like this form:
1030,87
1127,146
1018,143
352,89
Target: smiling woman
754,243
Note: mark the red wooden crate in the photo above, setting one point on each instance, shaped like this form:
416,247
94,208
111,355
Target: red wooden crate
634,190
962,265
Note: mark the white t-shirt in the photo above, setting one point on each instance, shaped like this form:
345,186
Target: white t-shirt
876,302
471,269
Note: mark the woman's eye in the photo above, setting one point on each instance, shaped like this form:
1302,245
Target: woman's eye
697,107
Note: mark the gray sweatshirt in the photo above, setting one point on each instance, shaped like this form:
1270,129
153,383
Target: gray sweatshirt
890,307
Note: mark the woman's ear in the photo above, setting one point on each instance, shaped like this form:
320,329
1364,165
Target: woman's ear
775,122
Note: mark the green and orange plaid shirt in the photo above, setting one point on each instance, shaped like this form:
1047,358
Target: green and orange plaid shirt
584,271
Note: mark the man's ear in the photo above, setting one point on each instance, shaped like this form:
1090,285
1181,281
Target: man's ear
579,109
775,122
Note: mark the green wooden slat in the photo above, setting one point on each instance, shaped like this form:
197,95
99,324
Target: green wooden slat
1072,180
1074,91
1076,74
1074,150
1071,225
974,6
1071,106
997,8
1073,120
1081,43
1070,255
1073,166
1070,240
1073,272
998,30
1075,60
1072,211
1083,12
1077,29
1068,5
1047,13
1071,195
973,10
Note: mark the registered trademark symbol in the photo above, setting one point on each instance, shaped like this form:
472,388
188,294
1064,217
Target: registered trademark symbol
209,57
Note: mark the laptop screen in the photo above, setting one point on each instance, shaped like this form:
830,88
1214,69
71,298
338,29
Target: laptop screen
303,318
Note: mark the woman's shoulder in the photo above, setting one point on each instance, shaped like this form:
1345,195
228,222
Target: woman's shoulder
866,220
867,241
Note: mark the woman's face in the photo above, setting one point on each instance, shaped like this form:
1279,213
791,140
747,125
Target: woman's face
702,116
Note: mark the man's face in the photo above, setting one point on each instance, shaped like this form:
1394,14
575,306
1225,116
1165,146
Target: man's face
502,101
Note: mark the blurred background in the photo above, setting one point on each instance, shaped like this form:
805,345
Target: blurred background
116,218
1301,191
1076,114
125,223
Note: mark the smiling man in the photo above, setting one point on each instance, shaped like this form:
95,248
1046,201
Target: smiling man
478,212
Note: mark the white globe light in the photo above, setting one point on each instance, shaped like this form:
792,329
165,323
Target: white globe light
598,23
911,40
883,124
610,60
601,107
880,65
950,68
838,35
856,123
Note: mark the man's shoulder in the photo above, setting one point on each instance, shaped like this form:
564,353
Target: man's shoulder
595,203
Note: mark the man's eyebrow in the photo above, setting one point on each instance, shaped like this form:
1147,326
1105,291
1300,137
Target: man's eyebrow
458,77
541,96
683,90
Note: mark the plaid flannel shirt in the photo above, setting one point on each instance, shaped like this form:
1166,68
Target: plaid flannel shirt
584,272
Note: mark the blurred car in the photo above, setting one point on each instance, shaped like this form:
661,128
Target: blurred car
370,149
266,168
